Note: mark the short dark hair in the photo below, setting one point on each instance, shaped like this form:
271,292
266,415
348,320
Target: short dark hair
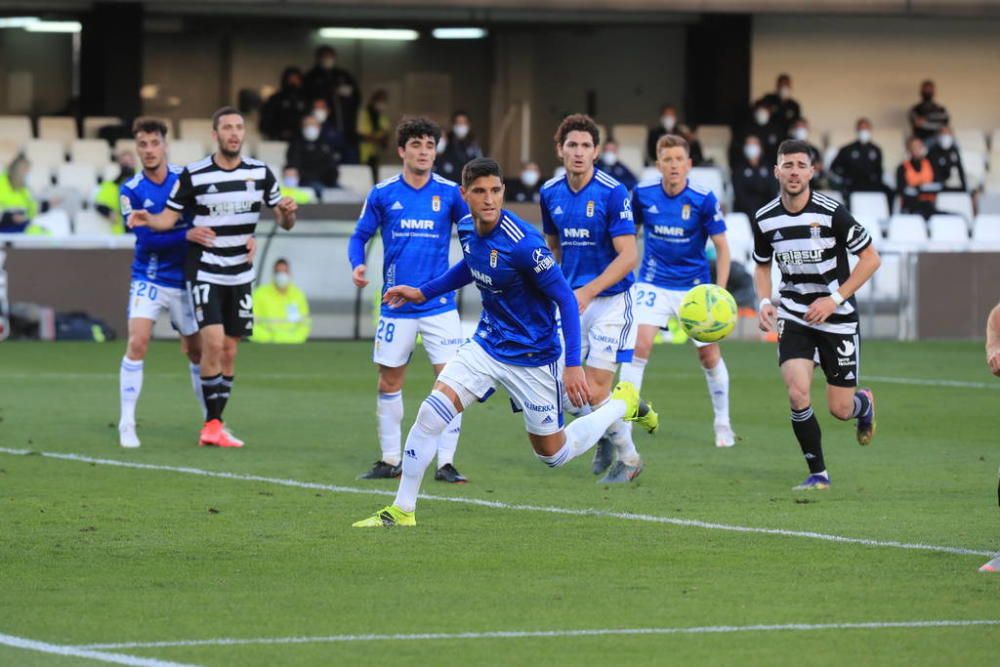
479,167
224,111
792,146
324,49
149,126
577,122
281,260
415,128
672,141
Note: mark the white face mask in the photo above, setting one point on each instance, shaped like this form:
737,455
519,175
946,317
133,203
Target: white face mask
800,133
291,181
321,115
328,63
460,131
530,177
864,136
784,92
762,116
946,141
609,158
752,151
282,279
669,122
310,132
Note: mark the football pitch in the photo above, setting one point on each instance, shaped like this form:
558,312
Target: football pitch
174,554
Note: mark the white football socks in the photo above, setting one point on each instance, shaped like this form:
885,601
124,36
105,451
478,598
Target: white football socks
584,432
435,413
389,411
718,389
633,371
130,386
448,442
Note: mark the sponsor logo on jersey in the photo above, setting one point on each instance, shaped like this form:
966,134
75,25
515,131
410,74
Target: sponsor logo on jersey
846,348
396,207
435,203
558,211
410,223
626,212
230,208
482,277
576,233
590,208
493,258
126,205
543,262
148,203
800,256
251,185
849,376
686,212
411,453
668,230
548,419
815,230
534,407
777,236
211,189
652,209
465,248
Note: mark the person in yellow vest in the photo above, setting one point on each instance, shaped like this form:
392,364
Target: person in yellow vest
280,309
17,205
290,187
106,198
915,182
374,129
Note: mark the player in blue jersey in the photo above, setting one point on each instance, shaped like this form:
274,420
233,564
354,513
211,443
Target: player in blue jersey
678,219
516,345
157,272
587,219
414,211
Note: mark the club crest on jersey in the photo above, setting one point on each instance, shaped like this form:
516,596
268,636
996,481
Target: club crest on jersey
494,254
686,212
815,230
251,184
590,208
436,205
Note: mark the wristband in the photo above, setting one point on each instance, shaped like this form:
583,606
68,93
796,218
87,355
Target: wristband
763,302
837,298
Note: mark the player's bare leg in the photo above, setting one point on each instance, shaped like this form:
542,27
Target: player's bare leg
798,374
447,444
140,329
717,377
849,403
218,355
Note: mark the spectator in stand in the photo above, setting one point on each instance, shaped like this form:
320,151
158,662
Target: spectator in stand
313,157
784,110
327,128
768,131
281,115
947,162
280,309
17,206
107,196
526,189
858,165
927,117
457,148
800,131
694,144
290,187
668,121
340,90
611,165
753,180
915,182
374,130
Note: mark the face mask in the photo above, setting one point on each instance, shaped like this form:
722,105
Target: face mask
282,279
668,122
530,177
784,92
946,141
320,115
328,63
609,158
311,133
762,116
126,173
864,136
460,131
919,154
291,181
800,133
752,151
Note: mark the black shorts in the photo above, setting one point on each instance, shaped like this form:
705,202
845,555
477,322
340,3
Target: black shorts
838,354
228,305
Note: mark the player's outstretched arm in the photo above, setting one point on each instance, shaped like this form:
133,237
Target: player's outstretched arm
159,222
993,341
723,259
456,277
766,312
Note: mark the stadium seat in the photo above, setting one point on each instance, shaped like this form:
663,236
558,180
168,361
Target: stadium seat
869,206
974,163
57,128
183,152
55,222
125,145
16,128
711,178
387,171
78,176
971,140
195,129
356,177
91,223
39,179
650,174
885,282
959,203
93,124
630,135
45,153
272,152
110,171
94,152
632,157
740,236
986,229
714,135
340,196
718,155
907,230
874,229
949,232
9,148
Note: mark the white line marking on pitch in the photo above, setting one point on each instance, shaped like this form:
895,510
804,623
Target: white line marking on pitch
85,652
628,516
516,634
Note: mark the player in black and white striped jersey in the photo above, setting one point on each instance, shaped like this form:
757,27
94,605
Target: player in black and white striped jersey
226,191
810,236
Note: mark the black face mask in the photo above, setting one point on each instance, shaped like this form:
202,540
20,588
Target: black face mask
125,174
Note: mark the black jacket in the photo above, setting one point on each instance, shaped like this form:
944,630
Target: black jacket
858,168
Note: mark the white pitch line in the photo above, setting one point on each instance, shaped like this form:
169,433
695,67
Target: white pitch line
957,384
85,652
532,634
628,516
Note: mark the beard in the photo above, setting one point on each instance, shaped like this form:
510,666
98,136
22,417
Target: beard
230,154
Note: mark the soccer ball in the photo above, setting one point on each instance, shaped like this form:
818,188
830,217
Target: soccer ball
708,313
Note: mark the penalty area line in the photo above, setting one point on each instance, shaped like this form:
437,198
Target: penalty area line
533,634
566,511
84,652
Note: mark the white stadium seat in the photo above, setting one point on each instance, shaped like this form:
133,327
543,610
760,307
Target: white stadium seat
55,221
110,171
16,128
958,203
45,153
986,229
185,151
57,128
650,174
632,157
710,178
869,206
93,124
272,152
94,152
125,145
714,135
356,178
910,230
78,176
974,163
388,171
630,135
39,179
949,232
971,140
740,236
91,223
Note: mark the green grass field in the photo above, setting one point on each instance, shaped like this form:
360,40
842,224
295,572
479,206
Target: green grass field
94,554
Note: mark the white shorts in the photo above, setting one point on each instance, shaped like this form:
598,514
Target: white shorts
655,305
535,391
147,300
608,330
395,338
